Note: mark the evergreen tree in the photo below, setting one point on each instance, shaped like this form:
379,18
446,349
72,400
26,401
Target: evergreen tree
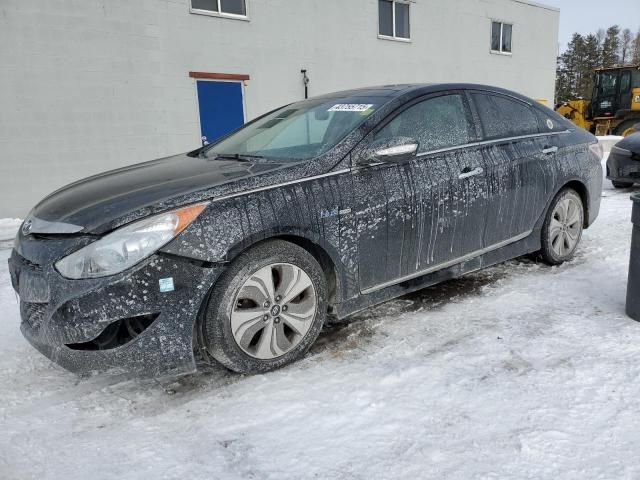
563,85
611,47
572,61
583,55
590,62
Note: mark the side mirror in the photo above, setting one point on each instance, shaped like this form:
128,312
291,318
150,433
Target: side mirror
396,149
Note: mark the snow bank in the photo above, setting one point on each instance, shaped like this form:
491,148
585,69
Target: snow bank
608,141
9,228
519,371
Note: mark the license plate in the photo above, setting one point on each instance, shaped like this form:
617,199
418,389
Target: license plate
33,288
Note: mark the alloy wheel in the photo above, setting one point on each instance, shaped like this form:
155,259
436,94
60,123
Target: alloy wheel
565,227
273,310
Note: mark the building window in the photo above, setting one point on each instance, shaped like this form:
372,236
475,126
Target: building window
230,8
393,19
501,37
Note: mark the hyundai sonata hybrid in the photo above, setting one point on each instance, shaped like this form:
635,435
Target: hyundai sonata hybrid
238,252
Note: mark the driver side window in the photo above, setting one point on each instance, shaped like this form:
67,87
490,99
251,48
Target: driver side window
436,123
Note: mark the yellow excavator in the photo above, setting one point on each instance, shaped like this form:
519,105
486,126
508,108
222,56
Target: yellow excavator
614,108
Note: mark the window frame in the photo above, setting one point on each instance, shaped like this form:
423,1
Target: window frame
220,13
469,112
627,74
501,40
394,37
481,124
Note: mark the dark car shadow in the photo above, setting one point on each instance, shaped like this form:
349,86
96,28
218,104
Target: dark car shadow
353,331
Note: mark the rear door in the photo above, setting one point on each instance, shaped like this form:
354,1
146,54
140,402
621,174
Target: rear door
515,155
625,90
419,215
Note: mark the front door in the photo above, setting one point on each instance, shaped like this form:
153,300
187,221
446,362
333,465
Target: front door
221,108
605,102
422,214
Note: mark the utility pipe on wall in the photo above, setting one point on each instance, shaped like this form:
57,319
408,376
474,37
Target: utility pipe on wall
305,81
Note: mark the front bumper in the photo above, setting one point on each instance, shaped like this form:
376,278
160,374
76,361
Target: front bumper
622,168
63,318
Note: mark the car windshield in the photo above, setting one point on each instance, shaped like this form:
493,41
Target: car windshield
299,131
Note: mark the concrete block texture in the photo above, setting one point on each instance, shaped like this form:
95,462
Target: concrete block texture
91,85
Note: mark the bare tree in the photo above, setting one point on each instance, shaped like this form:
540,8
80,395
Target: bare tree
636,49
600,36
626,45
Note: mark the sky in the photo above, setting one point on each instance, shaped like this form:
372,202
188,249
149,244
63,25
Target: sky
587,16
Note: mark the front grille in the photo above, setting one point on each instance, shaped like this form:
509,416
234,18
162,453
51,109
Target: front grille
33,313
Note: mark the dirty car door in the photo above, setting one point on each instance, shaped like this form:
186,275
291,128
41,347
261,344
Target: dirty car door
383,199
515,157
418,215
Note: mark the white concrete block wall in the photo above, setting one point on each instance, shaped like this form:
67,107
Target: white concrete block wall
91,85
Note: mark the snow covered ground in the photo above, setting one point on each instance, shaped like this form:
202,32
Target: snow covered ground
519,372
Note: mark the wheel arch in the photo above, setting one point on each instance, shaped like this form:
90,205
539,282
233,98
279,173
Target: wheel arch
325,255
323,252
582,190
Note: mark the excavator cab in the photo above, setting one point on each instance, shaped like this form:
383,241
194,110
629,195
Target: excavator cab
615,103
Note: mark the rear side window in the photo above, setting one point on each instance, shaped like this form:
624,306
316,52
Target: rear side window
436,123
548,123
502,117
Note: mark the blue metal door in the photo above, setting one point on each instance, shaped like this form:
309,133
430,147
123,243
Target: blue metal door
221,108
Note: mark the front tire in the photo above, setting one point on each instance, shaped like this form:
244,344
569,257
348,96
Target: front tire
562,228
267,309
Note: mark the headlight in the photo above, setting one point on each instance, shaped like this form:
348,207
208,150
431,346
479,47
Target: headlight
128,245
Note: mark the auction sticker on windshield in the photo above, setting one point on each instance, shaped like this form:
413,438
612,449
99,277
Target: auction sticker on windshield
350,107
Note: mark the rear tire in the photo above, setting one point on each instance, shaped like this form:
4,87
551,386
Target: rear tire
628,128
256,319
617,184
562,228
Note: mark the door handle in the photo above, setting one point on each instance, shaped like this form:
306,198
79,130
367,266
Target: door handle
468,172
549,150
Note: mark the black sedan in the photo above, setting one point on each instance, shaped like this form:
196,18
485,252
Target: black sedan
623,164
238,252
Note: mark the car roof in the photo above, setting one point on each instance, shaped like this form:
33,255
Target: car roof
398,90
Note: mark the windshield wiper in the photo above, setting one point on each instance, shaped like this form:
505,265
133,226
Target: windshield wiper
237,156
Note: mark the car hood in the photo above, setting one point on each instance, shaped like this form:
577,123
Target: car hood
95,204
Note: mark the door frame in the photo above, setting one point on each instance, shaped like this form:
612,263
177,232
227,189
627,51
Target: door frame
219,77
